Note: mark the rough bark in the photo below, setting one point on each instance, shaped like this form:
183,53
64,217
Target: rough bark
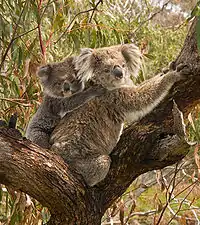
146,145
45,176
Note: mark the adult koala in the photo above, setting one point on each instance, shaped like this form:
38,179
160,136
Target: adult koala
86,136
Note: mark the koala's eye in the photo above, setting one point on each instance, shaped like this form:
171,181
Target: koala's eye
123,65
106,70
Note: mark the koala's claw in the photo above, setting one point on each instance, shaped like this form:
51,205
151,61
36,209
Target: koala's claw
180,67
171,66
184,69
165,70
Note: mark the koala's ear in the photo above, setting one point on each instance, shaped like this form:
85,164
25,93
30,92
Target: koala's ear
133,58
43,72
83,64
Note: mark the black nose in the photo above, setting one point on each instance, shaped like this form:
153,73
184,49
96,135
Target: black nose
66,86
117,71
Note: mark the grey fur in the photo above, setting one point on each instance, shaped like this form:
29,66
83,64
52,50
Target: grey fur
99,64
86,136
103,66
59,83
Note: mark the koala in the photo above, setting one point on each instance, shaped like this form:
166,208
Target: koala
62,93
86,136
60,72
61,80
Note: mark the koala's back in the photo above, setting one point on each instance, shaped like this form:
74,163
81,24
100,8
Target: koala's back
95,127
43,121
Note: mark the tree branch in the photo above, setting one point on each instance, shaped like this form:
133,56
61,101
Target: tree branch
82,12
44,176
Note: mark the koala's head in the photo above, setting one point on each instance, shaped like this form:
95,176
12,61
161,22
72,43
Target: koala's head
110,67
58,79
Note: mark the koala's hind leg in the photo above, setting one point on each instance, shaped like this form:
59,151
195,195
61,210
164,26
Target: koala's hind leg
94,169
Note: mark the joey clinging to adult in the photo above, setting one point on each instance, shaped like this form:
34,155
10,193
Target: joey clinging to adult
86,136
60,80
62,93
56,73
109,67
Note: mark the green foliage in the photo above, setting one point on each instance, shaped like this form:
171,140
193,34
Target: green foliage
35,32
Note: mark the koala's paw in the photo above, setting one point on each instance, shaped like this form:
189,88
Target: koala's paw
77,86
171,66
184,70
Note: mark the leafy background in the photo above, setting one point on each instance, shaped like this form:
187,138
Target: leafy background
35,32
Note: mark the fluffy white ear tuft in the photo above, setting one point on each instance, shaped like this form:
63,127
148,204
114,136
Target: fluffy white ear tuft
83,64
133,58
43,72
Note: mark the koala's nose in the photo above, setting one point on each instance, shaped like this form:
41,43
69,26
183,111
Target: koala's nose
66,86
117,71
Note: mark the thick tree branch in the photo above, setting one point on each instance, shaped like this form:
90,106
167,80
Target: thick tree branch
44,176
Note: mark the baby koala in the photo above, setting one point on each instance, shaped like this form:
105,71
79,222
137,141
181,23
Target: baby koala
62,94
54,74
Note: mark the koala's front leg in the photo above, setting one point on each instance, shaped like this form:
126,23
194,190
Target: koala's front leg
148,95
78,99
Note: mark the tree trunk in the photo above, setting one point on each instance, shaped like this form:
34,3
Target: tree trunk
146,145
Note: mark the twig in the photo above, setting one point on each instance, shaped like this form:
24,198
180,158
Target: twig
48,3
18,195
17,101
151,17
170,195
85,11
179,208
42,47
95,7
13,36
26,32
184,189
187,218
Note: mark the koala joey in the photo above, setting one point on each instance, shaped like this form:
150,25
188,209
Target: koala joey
53,75
86,136
62,93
